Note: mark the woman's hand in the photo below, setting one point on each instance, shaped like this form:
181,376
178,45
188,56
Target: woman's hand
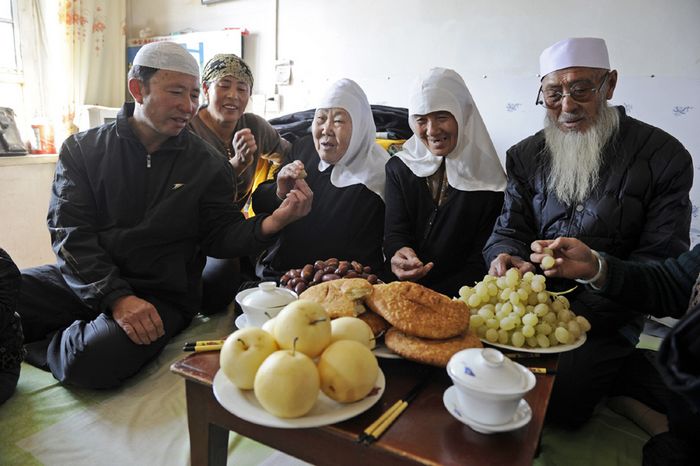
244,147
406,265
297,204
288,177
572,258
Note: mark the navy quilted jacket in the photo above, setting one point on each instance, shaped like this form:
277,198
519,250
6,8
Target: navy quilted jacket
640,210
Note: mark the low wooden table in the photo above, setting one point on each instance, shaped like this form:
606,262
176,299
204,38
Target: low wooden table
426,433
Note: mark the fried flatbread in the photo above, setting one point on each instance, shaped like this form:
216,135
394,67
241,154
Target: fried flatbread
427,351
340,298
419,311
377,323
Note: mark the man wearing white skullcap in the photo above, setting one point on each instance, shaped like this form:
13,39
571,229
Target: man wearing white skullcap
136,206
596,174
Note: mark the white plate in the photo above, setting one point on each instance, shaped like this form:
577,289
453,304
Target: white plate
243,404
523,415
241,321
551,349
381,351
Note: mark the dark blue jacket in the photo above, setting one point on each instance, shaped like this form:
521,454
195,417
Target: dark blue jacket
639,210
123,221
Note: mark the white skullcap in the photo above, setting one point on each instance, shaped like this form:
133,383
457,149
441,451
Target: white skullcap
167,56
589,52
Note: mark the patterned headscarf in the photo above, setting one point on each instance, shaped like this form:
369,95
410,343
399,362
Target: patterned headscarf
227,64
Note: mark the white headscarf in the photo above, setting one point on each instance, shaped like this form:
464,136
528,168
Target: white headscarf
363,162
473,165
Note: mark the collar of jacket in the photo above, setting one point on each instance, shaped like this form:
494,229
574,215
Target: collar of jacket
125,131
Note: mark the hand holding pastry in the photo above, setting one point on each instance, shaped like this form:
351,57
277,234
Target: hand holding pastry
288,177
296,204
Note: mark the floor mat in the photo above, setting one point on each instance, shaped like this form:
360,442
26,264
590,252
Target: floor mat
142,423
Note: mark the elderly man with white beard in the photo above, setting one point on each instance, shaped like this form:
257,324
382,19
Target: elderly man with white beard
594,173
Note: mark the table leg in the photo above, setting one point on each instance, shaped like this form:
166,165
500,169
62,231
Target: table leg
208,442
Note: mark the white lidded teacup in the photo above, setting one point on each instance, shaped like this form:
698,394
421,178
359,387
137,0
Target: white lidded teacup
264,302
489,385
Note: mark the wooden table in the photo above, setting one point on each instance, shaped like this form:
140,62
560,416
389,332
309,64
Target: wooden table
426,433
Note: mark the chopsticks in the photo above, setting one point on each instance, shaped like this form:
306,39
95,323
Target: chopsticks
378,427
203,345
542,371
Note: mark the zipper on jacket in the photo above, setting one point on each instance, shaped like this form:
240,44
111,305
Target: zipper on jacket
148,160
429,226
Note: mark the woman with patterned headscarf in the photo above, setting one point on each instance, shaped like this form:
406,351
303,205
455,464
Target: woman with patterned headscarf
250,144
444,190
344,167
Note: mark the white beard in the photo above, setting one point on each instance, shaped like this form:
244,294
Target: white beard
575,157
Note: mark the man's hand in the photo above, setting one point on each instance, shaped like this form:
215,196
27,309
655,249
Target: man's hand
297,204
288,176
244,146
138,318
406,265
573,259
503,262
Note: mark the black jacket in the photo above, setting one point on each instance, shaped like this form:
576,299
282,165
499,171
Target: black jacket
11,337
664,289
123,221
345,223
451,235
640,209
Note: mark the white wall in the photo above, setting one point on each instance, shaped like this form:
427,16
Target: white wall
494,45
25,188
258,16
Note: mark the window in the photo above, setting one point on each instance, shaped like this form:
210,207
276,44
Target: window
11,76
10,60
18,63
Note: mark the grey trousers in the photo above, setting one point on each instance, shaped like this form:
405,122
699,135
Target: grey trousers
81,348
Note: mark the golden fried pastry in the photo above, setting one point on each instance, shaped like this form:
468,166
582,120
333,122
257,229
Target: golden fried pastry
420,311
377,323
340,298
427,351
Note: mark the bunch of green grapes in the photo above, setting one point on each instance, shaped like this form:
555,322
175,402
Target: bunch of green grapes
518,310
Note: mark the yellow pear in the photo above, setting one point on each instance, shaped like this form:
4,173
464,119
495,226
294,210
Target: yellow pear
242,354
287,384
348,371
306,323
352,328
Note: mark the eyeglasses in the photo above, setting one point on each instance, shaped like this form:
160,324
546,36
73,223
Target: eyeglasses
553,99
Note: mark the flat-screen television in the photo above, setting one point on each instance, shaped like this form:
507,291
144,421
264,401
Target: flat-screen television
91,116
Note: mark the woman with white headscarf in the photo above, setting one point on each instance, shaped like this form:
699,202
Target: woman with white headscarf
444,190
344,167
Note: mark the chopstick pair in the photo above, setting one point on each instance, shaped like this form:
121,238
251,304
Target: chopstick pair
542,371
203,345
378,427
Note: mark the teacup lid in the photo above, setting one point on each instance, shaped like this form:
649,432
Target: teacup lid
268,295
486,369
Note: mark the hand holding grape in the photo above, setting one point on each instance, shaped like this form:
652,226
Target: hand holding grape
564,257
